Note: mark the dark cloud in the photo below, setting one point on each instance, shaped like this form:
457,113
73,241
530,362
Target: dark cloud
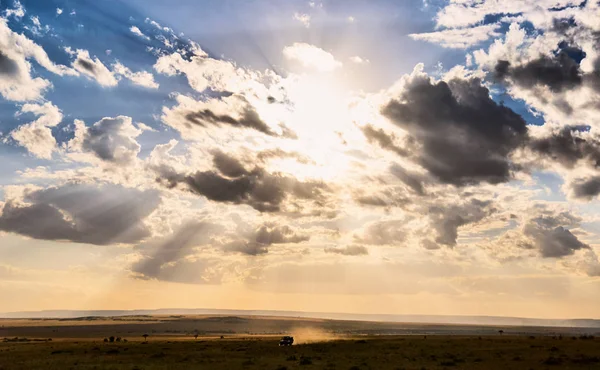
7,65
412,180
246,247
568,146
228,166
258,188
88,66
446,220
384,140
350,250
586,188
551,238
463,136
83,214
249,119
269,234
280,153
112,140
559,72
257,242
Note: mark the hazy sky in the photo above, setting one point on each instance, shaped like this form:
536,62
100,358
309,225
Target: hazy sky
404,157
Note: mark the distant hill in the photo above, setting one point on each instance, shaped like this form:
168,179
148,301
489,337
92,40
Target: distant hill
432,319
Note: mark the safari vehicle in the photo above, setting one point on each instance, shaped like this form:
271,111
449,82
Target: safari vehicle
286,341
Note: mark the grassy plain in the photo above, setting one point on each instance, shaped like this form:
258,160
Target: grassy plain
323,344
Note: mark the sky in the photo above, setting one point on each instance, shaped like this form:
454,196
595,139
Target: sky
384,156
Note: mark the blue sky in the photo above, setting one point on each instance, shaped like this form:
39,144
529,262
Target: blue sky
323,155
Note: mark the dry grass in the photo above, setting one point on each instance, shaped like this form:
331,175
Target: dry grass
411,352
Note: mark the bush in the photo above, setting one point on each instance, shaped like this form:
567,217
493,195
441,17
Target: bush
105,340
111,339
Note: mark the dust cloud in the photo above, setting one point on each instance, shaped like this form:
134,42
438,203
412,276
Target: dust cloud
306,335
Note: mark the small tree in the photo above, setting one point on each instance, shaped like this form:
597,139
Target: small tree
501,331
145,337
196,336
105,340
111,339
118,339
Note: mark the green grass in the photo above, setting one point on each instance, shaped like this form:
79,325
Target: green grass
443,352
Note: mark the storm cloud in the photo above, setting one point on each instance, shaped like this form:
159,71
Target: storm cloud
463,136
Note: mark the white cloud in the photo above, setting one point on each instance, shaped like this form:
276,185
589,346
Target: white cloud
358,60
142,78
203,72
351,19
310,56
459,38
16,82
112,140
59,11
93,68
463,13
303,18
18,11
36,136
136,31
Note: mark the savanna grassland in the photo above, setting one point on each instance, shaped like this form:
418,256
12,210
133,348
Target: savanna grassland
168,348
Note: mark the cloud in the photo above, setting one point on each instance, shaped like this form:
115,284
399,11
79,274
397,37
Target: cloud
551,238
92,68
189,116
142,78
587,188
459,38
88,214
18,11
257,188
303,18
311,57
392,232
37,136
16,81
59,11
350,250
136,31
358,60
203,72
412,180
559,72
463,136
568,146
157,257
383,139
446,220
110,139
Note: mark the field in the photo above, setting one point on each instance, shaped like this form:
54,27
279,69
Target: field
252,343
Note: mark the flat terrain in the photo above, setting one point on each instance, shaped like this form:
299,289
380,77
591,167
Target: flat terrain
252,343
